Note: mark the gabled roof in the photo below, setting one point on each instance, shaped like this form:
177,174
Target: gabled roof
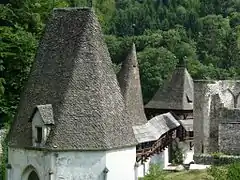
129,81
46,113
177,94
187,124
155,128
73,72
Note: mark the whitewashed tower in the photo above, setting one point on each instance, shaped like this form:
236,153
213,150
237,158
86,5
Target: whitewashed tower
71,121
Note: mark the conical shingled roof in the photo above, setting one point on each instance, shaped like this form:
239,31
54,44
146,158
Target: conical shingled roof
177,94
129,81
73,72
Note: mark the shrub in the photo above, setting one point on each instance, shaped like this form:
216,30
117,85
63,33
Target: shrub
177,155
217,154
217,172
233,172
155,173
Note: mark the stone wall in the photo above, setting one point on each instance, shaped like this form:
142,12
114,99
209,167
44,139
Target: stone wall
229,138
215,102
215,160
230,115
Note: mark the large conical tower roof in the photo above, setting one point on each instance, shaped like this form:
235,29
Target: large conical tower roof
73,73
129,80
177,94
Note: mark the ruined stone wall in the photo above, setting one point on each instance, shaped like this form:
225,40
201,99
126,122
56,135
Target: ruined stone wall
230,115
229,138
215,102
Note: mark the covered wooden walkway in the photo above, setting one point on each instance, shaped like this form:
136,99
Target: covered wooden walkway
154,136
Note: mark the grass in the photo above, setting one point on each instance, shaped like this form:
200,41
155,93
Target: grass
214,173
188,175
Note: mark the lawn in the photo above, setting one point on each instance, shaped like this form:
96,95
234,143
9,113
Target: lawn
215,172
188,175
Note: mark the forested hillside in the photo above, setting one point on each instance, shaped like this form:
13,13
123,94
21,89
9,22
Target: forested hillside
203,33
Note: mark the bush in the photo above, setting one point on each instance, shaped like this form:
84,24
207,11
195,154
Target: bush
217,154
233,172
217,172
177,155
155,173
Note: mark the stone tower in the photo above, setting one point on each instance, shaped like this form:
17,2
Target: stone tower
71,121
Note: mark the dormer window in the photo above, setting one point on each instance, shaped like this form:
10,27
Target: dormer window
39,135
42,122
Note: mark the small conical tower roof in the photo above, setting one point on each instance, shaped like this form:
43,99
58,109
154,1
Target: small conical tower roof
73,73
177,94
129,81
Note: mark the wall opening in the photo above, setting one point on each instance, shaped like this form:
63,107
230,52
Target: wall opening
30,173
39,135
33,176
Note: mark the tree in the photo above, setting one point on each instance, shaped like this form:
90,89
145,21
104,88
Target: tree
212,38
17,50
155,66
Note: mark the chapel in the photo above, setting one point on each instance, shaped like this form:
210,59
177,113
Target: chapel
71,122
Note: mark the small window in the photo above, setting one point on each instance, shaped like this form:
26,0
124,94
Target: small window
191,134
39,135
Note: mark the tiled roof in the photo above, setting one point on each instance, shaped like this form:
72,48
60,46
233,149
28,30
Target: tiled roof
73,72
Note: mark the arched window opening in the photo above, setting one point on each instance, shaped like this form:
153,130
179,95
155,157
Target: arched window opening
33,176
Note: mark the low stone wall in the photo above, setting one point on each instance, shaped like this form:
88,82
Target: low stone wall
215,160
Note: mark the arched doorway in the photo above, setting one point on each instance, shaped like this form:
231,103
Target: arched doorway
30,173
33,176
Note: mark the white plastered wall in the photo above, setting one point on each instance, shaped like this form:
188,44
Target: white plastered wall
161,159
120,163
90,165
22,161
80,165
187,152
73,165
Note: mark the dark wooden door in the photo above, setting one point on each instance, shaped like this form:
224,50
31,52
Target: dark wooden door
33,176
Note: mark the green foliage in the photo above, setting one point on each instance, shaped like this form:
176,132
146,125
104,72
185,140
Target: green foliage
155,173
4,155
217,154
233,172
177,155
218,173
155,65
17,50
230,172
2,82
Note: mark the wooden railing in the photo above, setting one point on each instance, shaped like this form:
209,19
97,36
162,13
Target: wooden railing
157,147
